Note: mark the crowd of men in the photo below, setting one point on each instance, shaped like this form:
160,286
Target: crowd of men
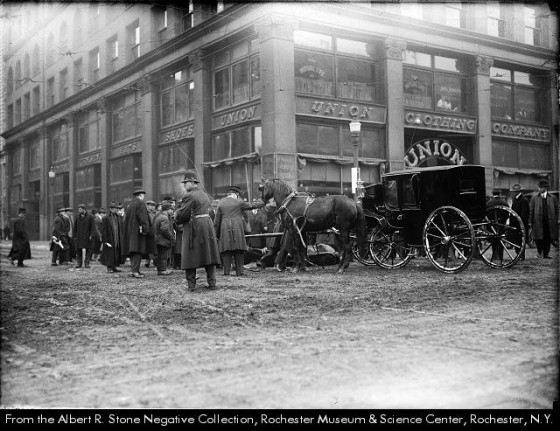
199,232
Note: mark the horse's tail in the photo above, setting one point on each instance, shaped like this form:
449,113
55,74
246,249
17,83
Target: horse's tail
361,227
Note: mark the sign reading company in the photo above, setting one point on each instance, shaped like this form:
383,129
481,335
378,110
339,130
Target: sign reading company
522,132
235,117
420,152
425,120
334,109
178,134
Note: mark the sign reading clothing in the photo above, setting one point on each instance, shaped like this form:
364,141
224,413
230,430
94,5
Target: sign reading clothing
420,152
452,123
342,110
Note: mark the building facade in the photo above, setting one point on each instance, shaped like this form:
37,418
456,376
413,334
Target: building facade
102,98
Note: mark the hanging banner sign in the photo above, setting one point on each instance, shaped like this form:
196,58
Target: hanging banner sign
420,152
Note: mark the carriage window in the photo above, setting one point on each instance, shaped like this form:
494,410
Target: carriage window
390,193
467,187
409,200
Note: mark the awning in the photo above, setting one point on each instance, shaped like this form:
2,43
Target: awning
515,171
252,157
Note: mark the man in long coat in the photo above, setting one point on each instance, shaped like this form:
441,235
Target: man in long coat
84,230
59,243
199,246
520,205
165,238
71,252
543,218
21,249
112,239
138,233
229,224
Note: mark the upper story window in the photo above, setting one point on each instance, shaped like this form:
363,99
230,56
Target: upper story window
113,54
18,74
495,22
16,162
79,80
64,91
26,106
36,60
449,14
515,95
10,116
126,117
88,132
95,64
63,45
50,92
34,152
50,50
26,68
134,40
411,10
36,100
532,25
237,75
10,82
340,67
177,96
435,82
77,28
18,112
57,140
188,16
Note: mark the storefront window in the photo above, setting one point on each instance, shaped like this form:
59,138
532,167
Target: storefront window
356,79
88,186
236,143
315,139
372,144
124,175
239,81
443,88
514,95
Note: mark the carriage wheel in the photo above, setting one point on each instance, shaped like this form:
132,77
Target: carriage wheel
449,239
388,249
365,257
501,237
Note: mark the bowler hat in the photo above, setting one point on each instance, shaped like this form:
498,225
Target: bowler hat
166,207
102,211
151,202
69,209
168,199
543,183
515,188
138,192
113,205
82,206
190,175
22,210
234,189
60,209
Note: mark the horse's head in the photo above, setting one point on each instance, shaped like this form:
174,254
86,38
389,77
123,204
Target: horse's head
266,190
274,188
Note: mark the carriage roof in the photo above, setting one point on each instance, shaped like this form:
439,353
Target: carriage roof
431,169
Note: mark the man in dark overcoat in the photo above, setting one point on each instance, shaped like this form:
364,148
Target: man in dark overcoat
112,239
199,246
84,230
138,233
165,238
96,243
229,224
21,248
543,219
71,252
59,240
520,205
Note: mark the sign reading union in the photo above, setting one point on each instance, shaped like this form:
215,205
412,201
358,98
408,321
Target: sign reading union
440,122
419,153
235,117
332,109
523,132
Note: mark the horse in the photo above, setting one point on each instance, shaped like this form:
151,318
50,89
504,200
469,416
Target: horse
302,213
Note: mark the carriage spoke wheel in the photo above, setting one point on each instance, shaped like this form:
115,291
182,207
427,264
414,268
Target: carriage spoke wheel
501,237
388,249
365,257
449,239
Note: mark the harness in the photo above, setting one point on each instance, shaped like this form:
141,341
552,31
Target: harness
284,207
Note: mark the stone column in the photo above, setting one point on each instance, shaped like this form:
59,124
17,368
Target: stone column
278,100
394,49
149,155
202,113
103,150
552,101
72,134
24,169
45,228
483,145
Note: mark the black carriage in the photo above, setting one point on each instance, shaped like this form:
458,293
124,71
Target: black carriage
439,212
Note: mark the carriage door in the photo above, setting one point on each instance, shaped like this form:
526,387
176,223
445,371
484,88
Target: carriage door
412,220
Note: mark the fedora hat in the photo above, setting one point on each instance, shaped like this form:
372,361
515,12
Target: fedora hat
102,211
113,205
82,206
190,175
515,188
543,183
60,209
138,192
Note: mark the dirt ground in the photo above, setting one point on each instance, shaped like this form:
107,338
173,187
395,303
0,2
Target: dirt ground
370,338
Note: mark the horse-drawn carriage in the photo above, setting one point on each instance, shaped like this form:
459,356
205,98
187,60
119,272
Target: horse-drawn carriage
439,212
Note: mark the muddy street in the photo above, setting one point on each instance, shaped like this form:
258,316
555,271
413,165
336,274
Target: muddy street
370,338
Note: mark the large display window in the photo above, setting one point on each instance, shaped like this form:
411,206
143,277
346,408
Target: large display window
177,98
57,138
88,132
126,117
88,186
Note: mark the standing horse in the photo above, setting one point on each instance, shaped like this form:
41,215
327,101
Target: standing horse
302,213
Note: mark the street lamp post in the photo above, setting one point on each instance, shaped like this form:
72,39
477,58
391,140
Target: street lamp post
52,174
355,128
